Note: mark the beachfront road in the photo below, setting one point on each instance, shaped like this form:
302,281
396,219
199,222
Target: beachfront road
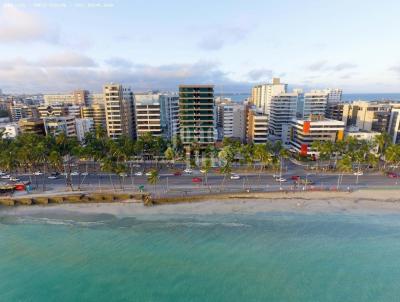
251,180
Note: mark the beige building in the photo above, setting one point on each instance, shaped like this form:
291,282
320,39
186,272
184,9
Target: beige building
96,112
32,125
262,94
119,109
55,125
257,126
367,116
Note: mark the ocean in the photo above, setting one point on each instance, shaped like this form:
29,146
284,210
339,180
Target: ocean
346,97
269,256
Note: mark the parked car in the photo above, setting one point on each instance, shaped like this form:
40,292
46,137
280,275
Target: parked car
235,176
85,174
188,171
139,173
6,176
280,179
52,177
74,173
358,173
391,175
196,179
37,173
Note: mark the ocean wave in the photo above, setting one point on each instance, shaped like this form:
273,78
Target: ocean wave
54,221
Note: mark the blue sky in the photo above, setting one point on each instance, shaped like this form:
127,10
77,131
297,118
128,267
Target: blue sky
64,45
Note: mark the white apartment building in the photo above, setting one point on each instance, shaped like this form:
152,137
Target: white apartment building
97,113
283,110
314,103
50,99
334,95
119,105
234,121
55,125
262,94
148,114
74,110
83,126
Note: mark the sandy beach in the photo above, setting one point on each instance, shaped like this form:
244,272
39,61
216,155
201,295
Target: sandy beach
363,201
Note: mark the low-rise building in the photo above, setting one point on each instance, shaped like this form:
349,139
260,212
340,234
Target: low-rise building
304,132
32,125
9,130
55,125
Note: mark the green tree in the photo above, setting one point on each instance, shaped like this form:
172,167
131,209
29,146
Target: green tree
153,179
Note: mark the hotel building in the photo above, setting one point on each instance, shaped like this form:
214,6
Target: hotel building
148,114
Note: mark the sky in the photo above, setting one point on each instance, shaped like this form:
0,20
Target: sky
60,46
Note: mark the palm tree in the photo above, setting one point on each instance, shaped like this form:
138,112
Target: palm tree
265,157
226,170
345,164
153,179
392,154
169,155
382,141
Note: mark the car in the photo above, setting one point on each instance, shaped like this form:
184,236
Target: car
123,174
295,177
235,176
391,175
280,179
2,173
148,173
75,173
14,179
85,174
177,173
53,177
358,173
188,171
203,171
196,179
139,173
37,173
6,176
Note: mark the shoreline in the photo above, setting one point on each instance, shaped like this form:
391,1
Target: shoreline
362,201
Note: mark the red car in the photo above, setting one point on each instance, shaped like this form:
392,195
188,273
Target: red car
177,173
295,177
196,179
392,175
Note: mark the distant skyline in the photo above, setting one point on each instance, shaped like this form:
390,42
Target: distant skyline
60,46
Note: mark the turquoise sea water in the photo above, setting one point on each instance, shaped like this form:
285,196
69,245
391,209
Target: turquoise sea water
225,257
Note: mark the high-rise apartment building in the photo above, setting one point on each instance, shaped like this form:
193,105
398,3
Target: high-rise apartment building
148,114
394,126
314,103
119,105
263,94
283,110
334,95
83,126
234,121
196,115
170,115
257,126
53,110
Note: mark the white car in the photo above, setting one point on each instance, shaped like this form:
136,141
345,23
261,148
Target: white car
5,176
148,173
359,173
75,173
188,171
2,173
85,174
280,179
235,176
37,173
139,173
123,174
52,177
14,179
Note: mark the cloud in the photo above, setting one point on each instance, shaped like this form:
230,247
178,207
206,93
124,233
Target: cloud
118,62
68,72
258,74
395,69
219,37
20,26
324,66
